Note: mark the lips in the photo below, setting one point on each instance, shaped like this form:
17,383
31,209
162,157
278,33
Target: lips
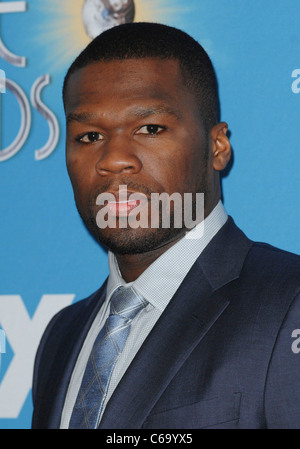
121,208
125,202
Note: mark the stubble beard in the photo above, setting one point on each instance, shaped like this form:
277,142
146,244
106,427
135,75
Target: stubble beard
129,240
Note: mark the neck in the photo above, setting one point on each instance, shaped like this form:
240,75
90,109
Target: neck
132,266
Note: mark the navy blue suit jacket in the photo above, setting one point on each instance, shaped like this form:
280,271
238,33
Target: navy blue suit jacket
220,356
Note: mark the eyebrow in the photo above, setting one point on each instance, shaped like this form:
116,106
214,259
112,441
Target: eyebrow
140,112
160,109
80,117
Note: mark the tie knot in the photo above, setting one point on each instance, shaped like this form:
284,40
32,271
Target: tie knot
126,302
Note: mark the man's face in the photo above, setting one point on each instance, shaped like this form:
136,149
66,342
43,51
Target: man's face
134,123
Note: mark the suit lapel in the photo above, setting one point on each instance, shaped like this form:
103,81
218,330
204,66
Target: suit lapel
188,317
71,347
223,259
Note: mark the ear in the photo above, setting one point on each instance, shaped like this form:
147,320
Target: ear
221,148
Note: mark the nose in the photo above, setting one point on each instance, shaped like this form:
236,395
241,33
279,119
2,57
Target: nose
118,157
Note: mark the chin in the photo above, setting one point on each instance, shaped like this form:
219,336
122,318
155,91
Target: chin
128,240
135,241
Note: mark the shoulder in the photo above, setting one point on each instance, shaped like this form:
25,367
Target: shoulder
269,286
271,277
264,279
70,316
273,264
267,250
58,336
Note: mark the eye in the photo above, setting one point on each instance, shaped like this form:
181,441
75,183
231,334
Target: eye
90,137
150,130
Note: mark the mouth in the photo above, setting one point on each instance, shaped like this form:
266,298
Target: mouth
126,203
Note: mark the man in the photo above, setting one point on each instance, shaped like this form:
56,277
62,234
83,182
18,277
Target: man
210,345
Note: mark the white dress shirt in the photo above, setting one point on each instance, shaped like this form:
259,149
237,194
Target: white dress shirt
157,284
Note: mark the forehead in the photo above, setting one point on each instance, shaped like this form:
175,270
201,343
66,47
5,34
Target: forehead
130,79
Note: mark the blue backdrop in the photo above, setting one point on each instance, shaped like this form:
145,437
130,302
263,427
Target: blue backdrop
47,258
